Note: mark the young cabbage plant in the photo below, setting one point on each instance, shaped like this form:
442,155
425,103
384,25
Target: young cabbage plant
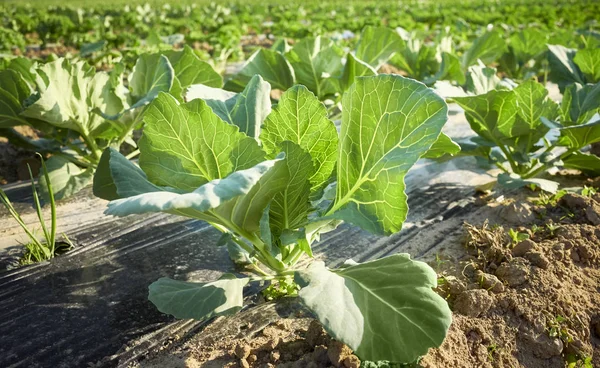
524,133
526,54
319,64
81,111
569,66
274,189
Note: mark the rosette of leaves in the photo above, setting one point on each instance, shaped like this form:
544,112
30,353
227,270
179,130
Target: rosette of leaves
273,180
524,133
81,111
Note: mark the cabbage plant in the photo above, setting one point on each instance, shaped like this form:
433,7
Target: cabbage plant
81,111
273,180
524,133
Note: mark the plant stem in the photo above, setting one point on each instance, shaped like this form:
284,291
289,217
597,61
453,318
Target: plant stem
511,161
91,143
544,167
74,160
129,127
133,154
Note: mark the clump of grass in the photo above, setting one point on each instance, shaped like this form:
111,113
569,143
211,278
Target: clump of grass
38,250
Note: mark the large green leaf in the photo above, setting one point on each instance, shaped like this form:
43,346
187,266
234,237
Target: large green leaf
185,146
588,61
189,70
490,115
26,67
243,213
377,45
528,43
443,146
117,177
152,74
450,69
72,92
270,65
579,136
301,118
290,207
388,122
354,68
580,103
198,301
482,79
589,164
66,177
487,48
514,181
563,70
314,60
209,196
532,103
247,109
13,91
383,310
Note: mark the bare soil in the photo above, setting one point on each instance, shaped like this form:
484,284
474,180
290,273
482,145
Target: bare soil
532,303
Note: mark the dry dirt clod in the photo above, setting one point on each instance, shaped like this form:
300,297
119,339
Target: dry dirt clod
538,259
490,282
523,247
316,335
514,272
593,214
473,302
274,356
351,361
244,363
543,346
242,350
319,355
455,285
336,352
517,213
252,358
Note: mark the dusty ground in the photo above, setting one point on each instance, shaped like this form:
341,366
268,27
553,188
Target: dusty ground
529,303
532,303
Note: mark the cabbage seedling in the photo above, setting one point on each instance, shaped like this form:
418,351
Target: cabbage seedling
273,181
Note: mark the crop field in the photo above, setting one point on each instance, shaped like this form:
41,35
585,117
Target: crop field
300,183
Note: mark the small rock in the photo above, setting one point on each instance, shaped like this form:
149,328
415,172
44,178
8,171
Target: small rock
490,282
523,247
351,361
514,272
252,358
244,363
538,259
473,303
242,351
336,352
